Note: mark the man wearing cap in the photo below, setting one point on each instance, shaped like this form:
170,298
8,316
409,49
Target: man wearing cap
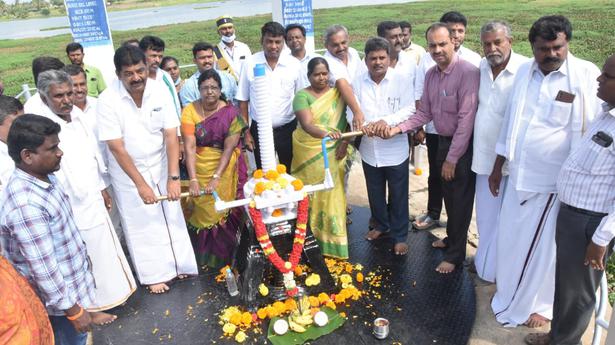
230,53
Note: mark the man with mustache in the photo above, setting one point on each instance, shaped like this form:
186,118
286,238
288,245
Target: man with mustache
137,120
282,74
38,234
34,105
450,100
383,94
230,53
295,40
414,50
95,80
552,105
458,24
497,72
585,223
83,173
203,57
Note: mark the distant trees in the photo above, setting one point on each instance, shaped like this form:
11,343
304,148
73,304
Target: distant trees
21,10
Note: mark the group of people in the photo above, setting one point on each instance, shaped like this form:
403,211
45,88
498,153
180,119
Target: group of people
528,139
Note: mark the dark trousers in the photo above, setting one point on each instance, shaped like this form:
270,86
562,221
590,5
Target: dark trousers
391,216
434,184
64,332
459,201
282,142
575,283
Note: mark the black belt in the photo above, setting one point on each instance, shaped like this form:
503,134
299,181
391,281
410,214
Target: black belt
582,211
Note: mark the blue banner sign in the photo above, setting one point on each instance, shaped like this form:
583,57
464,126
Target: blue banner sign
88,22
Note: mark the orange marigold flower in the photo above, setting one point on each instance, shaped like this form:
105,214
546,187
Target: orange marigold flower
258,173
261,313
236,319
281,169
331,305
279,307
360,277
259,188
271,312
313,311
297,184
277,212
290,304
246,318
272,175
339,299
298,270
314,302
348,267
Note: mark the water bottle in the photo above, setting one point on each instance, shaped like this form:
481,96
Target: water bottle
231,283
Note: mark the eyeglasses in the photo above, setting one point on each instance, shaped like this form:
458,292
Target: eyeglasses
209,88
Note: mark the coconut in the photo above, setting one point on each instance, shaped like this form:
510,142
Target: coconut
280,327
321,318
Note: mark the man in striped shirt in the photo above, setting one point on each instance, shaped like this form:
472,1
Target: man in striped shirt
38,234
585,223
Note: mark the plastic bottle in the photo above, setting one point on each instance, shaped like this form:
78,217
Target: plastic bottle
231,283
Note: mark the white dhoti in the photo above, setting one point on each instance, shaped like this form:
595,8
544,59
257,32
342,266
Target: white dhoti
112,274
156,235
525,271
487,215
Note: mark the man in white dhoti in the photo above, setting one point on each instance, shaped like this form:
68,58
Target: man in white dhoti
10,109
497,72
553,102
137,120
81,173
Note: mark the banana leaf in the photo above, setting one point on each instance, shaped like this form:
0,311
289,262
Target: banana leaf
312,331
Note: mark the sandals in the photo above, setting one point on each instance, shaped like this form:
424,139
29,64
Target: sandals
424,222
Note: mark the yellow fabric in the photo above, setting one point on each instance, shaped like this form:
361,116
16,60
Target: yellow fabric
204,215
327,208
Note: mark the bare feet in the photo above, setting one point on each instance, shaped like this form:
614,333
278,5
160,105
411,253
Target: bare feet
158,288
445,267
400,248
374,234
439,244
101,318
537,339
536,321
182,276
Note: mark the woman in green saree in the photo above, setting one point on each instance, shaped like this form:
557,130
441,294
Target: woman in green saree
321,112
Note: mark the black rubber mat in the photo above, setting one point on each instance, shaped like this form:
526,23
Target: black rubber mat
423,306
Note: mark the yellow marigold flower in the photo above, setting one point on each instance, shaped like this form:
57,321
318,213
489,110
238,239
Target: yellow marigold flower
360,277
281,169
259,188
229,328
240,337
297,184
270,311
342,314
261,313
272,175
312,280
339,299
246,318
258,173
263,290
331,305
348,267
346,278
314,302
282,182
323,298
269,185
290,304
279,307
236,319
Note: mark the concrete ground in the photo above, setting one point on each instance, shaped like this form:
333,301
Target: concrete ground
487,331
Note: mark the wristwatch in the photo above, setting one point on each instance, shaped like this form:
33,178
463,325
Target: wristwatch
174,178
215,176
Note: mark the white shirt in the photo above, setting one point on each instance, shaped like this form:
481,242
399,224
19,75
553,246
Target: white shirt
544,131
426,63
305,82
34,105
587,178
82,168
493,96
284,81
142,129
339,70
391,101
7,165
238,54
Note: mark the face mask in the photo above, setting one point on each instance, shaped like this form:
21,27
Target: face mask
228,39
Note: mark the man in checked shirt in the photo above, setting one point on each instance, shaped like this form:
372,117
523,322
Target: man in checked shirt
585,223
38,234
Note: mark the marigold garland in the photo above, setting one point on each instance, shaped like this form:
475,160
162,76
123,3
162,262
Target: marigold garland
263,238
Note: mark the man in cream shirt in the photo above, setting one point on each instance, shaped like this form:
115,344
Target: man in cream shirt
497,72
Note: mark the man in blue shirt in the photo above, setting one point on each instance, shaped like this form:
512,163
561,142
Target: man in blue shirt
203,54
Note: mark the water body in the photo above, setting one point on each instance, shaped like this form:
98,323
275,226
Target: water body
147,17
